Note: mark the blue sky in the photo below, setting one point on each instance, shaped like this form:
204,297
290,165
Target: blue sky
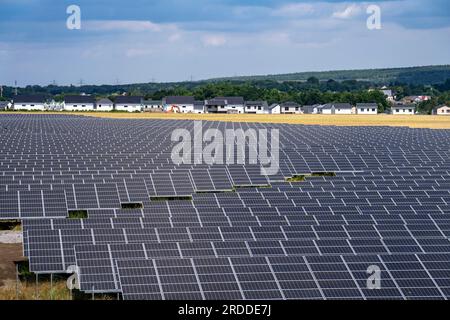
174,40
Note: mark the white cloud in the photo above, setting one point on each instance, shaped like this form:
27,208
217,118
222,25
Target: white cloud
348,12
295,9
214,40
123,25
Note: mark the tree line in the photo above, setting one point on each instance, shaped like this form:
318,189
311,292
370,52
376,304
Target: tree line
309,92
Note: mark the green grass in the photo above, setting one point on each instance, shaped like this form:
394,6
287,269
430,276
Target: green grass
323,174
10,225
296,178
78,214
136,205
303,177
47,288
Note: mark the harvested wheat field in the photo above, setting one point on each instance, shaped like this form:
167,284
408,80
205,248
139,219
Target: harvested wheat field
418,121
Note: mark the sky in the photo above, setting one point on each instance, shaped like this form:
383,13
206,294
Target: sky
177,40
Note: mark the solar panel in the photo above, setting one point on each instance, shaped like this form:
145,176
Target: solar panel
370,196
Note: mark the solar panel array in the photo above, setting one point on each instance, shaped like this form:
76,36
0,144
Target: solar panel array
195,231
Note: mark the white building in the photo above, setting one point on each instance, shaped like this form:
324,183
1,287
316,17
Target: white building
403,109
275,108
199,106
234,104
290,108
152,105
79,103
128,103
225,105
258,107
182,104
312,109
337,108
442,111
5,105
367,108
30,102
104,105
216,105
388,94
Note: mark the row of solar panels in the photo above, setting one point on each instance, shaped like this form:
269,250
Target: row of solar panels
415,276
53,250
26,202
289,165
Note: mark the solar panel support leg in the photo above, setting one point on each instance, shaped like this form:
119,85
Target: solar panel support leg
51,286
17,281
37,287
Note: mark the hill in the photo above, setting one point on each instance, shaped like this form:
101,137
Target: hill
425,75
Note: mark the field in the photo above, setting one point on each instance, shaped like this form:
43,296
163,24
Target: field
419,121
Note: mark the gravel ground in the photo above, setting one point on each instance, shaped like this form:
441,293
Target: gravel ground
10,237
8,254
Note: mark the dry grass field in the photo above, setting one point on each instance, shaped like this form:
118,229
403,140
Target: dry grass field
27,291
418,121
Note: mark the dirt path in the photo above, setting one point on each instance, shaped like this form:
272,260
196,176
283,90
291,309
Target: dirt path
8,254
10,237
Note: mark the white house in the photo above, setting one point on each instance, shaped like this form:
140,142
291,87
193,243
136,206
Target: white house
128,103
312,109
258,107
104,105
388,94
199,106
5,105
30,102
152,105
275,108
338,108
290,108
234,104
182,104
367,108
225,105
403,109
216,105
442,111
79,103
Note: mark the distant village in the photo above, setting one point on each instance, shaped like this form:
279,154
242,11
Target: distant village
223,105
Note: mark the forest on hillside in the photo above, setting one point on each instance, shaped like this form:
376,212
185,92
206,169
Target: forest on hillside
412,75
